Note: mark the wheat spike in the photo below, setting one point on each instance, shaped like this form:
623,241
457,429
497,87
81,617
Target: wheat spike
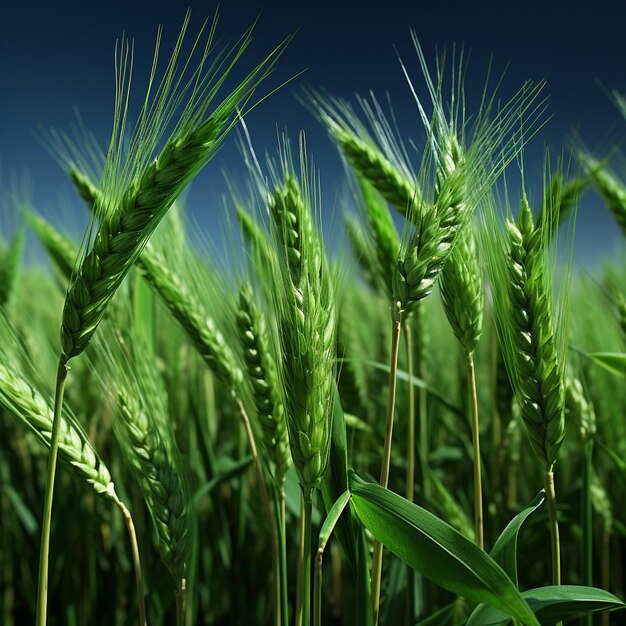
262,374
462,291
307,332
31,409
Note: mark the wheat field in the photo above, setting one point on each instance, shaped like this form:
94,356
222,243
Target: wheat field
422,425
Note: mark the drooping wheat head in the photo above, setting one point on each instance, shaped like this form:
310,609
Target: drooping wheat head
610,188
33,410
61,250
372,149
10,261
200,327
144,433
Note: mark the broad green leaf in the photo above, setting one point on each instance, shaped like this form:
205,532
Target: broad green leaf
435,549
504,552
553,604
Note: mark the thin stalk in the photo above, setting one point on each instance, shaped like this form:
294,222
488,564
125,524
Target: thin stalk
181,600
281,579
478,489
334,514
132,535
42,587
587,521
8,579
554,528
317,587
410,480
303,600
377,562
496,426
606,569
422,399
282,525
266,505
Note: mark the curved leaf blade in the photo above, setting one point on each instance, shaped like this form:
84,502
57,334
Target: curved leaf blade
553,604
504,552
432,547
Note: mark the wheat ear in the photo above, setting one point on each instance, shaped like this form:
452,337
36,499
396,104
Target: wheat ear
611,189
200,328
31,409
533,335
306,319
62,251
137,189
10,260
262,374
462,298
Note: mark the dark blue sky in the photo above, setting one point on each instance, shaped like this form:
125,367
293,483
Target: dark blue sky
58,56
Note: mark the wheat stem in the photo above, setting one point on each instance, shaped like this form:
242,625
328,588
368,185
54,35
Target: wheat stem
266,503
42,586
587,519
377,562
478,489
279,512
132,535
410,481
181,602
317,585
606,568
303,599
554,528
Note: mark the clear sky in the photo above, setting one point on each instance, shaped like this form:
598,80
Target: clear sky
56,57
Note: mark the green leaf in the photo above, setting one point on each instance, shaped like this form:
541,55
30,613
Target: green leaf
335,482
23,513
435,549
614,362
504,552
553,604
348,531
614,456
352,421
442,617
331,519
235,469
414,380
